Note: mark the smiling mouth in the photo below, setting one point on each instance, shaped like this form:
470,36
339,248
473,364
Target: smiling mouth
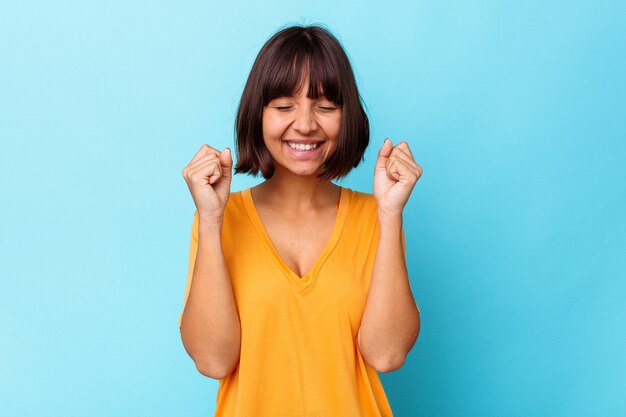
303,146
304,151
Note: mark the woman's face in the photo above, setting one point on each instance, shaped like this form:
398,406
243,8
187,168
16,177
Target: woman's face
311,126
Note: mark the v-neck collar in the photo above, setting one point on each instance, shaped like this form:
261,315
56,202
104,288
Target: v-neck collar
302,283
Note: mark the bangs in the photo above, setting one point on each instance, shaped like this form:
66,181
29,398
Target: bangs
299,60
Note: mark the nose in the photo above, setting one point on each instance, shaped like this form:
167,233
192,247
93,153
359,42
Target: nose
305,120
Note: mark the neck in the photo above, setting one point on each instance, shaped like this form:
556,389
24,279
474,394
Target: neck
296,193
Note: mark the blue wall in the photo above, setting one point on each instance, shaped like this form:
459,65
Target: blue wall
516,230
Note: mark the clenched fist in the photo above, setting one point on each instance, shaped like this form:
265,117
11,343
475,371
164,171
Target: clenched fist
208,177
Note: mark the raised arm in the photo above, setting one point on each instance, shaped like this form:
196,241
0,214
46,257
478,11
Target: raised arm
209,324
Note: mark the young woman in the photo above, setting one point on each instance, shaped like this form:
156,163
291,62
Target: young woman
297,292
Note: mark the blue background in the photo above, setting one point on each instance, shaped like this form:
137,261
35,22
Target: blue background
515,232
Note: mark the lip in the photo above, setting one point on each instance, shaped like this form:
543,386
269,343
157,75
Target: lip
305,141
303,154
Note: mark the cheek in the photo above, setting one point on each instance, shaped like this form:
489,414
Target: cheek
333,128
273,127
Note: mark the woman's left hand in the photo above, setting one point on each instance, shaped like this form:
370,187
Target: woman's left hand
395,175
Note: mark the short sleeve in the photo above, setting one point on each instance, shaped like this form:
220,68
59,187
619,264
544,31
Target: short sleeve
193,250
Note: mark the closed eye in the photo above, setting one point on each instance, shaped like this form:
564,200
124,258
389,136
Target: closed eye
325,108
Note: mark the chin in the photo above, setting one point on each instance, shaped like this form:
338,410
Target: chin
303,173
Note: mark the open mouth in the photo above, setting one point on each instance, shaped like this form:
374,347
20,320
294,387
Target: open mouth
304,150
304,147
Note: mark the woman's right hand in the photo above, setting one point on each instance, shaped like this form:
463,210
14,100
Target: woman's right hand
208,177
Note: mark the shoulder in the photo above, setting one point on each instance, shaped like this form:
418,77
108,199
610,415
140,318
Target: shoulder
361,198
235,206
362,203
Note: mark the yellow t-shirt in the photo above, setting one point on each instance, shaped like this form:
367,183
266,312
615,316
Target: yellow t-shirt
299,355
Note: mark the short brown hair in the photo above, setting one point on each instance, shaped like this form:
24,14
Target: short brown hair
279,70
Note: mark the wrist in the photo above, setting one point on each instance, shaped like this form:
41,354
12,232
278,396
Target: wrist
390,219
209,225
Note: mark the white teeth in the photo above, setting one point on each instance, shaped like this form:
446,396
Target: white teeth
306,147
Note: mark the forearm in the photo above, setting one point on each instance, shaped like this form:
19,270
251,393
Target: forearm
390,322
210,329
